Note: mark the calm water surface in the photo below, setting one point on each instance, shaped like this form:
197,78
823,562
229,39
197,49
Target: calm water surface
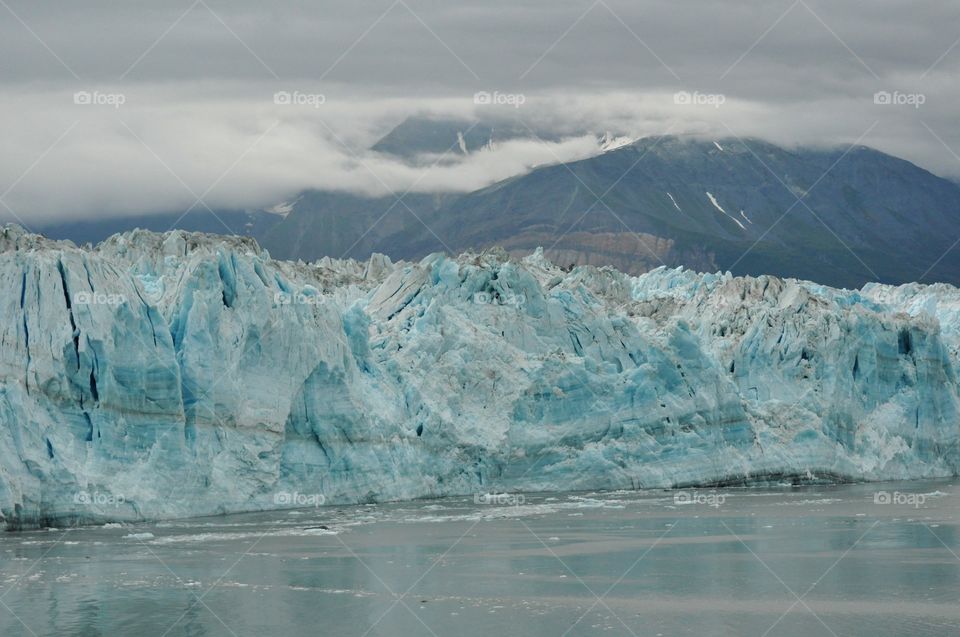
792,561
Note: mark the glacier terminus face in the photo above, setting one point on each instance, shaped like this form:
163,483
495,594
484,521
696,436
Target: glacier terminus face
173,375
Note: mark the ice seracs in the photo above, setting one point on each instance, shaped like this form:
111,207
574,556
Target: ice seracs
184,374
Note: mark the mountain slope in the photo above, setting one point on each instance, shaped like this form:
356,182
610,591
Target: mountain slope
338,224
675,201
833,216
425,136
839,218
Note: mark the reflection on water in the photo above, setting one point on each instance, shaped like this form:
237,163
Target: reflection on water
849,560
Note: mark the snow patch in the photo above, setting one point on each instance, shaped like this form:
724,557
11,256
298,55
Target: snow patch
716,205
610,142
674,202
283,208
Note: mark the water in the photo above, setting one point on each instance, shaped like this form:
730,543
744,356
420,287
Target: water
727,562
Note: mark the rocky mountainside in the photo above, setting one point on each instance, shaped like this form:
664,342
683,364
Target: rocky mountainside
185,374
838,217
743,205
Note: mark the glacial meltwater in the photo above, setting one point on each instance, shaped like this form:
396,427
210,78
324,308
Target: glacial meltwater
866,559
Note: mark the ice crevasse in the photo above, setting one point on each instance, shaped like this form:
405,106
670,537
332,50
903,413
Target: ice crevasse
178,374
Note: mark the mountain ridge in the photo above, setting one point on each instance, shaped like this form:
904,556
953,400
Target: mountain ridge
669,206
840,216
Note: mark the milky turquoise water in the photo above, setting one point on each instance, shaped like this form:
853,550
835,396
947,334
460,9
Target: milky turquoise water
782,561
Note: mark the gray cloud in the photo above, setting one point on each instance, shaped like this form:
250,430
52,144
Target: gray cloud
198,84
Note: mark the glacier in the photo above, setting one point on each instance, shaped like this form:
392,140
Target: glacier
170,375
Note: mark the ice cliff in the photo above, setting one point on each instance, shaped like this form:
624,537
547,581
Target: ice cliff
183,374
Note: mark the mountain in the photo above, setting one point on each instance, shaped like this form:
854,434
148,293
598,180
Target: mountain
840,217
421,135
181,374
836,217
724,205
328,223
337,224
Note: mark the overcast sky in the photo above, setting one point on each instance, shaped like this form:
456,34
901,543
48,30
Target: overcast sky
197,81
